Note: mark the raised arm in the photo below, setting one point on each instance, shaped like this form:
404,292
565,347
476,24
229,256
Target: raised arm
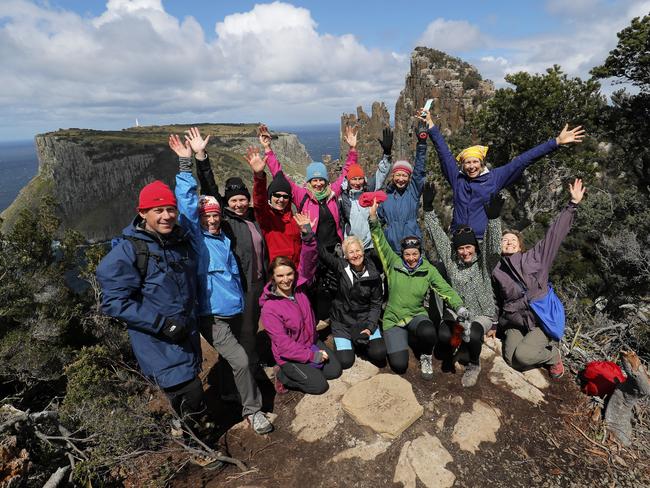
185,190
546,250
203,169
351,139
448,163
442,288
308,250
261,206
330,260
419,174
274,166
432,224
491,245
509,173
386,254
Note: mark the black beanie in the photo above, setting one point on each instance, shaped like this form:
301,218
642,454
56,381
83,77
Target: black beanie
235,186
279,183
411,242
462,237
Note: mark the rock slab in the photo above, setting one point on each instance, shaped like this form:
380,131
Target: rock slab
479,425
385,403
318,415
425,459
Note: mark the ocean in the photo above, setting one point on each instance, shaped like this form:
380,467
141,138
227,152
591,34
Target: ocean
19,163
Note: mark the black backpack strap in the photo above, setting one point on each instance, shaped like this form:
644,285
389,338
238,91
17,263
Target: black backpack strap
141,255
302,202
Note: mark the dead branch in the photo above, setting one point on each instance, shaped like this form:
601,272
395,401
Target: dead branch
56,478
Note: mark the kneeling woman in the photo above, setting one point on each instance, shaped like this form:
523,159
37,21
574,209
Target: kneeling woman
356,308
304,363
410,277
522,276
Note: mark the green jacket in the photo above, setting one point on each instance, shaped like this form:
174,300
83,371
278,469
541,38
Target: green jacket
408,288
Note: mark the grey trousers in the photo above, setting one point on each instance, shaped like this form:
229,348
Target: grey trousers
527,351
216,331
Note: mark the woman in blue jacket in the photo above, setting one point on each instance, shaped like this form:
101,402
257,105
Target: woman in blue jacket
399,213
220,293
473,184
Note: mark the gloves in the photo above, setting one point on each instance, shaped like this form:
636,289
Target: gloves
174,331
318,357
493,209
428,194
463,314
422,134
386,141
360,339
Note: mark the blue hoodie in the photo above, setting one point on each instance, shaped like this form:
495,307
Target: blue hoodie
219,284
167,291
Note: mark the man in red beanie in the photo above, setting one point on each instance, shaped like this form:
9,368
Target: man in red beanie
148,280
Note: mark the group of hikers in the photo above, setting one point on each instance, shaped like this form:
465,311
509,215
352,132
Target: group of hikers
346,252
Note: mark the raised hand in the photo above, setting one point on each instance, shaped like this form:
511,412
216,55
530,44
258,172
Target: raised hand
567,136
302,219
254,160
183,150
428,194
577,191
386,142
373,210
493,209
264,137
197,143
428,118
350,136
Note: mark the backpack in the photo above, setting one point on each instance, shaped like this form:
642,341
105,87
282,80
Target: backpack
142,253
600,378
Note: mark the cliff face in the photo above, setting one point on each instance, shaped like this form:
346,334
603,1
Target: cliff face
455,86
370,129
95,176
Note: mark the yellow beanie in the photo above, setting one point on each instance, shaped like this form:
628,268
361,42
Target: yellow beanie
472,152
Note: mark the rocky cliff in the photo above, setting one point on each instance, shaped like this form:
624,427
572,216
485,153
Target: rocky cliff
456,87
95,176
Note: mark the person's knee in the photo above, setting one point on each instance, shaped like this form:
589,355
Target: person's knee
444,333
399,361
426,332
476,333
317,386
524,356
377,350
346,358
239,360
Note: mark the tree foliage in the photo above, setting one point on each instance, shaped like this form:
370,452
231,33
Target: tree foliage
630,59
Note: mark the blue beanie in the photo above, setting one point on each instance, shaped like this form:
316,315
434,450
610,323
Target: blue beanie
317,170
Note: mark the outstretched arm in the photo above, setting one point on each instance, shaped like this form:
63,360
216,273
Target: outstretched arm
351,139
491,245
185,190
386,254
509,173
432,224
377,180
308,250
442,288
448,163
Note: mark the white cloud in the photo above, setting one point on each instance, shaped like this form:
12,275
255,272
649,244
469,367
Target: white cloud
270,63
451,36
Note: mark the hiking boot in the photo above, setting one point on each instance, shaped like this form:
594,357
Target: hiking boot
280,389
557,370
426,369
260,423
470,377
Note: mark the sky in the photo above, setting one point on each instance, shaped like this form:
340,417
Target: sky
104,64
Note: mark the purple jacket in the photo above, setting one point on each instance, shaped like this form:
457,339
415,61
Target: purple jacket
290,323
532,268
471,194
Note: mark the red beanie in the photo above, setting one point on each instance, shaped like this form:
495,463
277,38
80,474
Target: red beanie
355,171
208,204
156,194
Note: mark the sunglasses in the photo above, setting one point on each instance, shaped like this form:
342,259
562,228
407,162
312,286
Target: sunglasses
235,187
411,243
281,195
463,230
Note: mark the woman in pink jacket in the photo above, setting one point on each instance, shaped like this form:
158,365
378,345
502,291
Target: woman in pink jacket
303,362
319,200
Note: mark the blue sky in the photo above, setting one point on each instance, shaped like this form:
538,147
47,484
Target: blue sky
101,64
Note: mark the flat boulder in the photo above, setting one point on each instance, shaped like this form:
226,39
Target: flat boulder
424,458
318,415
502,374
385,403
479,425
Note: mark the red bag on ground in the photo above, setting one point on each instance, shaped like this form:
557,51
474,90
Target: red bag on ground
599,378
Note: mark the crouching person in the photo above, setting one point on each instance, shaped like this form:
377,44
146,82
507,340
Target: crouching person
303,362
410,276
356,308
220,293
148,280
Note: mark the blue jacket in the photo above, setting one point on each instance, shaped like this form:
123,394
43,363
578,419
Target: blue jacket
219,284
399,213
471,194
167,291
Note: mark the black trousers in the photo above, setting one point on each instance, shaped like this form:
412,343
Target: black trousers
186,398
468,352
306,378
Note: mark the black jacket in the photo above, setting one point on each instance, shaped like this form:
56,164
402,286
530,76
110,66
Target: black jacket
234,226
358,300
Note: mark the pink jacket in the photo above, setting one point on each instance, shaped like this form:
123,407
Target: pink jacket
311,204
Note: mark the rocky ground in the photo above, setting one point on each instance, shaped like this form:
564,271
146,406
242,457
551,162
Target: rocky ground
375,428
